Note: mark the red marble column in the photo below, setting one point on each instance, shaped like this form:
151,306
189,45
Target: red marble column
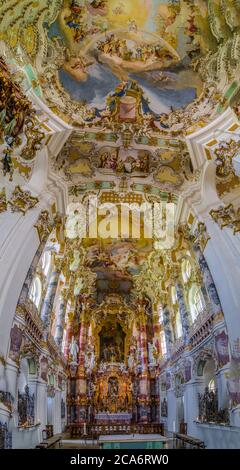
144,382
69,333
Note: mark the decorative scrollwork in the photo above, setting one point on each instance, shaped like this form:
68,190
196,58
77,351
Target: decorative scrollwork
20,131
22,201
227,217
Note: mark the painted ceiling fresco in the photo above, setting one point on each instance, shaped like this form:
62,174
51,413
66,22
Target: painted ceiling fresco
84,55
110,42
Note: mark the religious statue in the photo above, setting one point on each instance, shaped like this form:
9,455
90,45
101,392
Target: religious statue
150,352
131,361
164,408
74,349
113,387
90,357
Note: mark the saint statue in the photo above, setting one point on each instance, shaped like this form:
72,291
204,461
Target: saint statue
150,353
130,361
74,350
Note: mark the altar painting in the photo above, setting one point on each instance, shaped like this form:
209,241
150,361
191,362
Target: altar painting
112,340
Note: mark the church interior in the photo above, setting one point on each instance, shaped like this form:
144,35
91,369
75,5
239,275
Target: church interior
120,224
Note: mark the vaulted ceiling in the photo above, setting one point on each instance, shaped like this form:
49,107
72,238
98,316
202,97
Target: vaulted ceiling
132,79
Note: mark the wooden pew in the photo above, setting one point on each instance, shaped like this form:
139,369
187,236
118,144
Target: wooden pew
50,442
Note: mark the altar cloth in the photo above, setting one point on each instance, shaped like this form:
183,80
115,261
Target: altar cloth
114,417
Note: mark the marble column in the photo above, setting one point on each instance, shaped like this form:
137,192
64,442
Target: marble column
167,329
60,322
41,405
183,312
69,333
209,285
143,345
143,382
81,382
49,297
57,421
156,332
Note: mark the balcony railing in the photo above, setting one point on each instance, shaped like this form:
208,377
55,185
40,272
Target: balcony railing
202,327
34,325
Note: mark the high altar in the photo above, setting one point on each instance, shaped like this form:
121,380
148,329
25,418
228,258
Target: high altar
113,365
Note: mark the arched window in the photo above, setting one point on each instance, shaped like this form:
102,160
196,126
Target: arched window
45,262
212,386
173,295
163,342
186,270
35,292
196,301
178,325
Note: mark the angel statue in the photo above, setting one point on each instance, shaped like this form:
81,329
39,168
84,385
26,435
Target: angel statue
74,350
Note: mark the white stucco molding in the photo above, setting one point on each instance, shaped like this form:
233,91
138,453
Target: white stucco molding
196,141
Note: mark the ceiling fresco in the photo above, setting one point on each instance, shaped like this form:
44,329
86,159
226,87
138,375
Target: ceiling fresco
108,43
167,164
84,57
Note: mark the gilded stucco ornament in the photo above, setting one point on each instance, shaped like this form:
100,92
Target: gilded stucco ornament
227,217
21,135
44,225
3,200
22,201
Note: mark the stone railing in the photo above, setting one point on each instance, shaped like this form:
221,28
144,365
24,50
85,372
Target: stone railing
201,328
177,349
81,430
33,322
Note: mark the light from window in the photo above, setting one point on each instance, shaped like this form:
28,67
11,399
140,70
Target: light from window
186,270
212,386
36,291
46,261
163,343
178,325
196,302
174,295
